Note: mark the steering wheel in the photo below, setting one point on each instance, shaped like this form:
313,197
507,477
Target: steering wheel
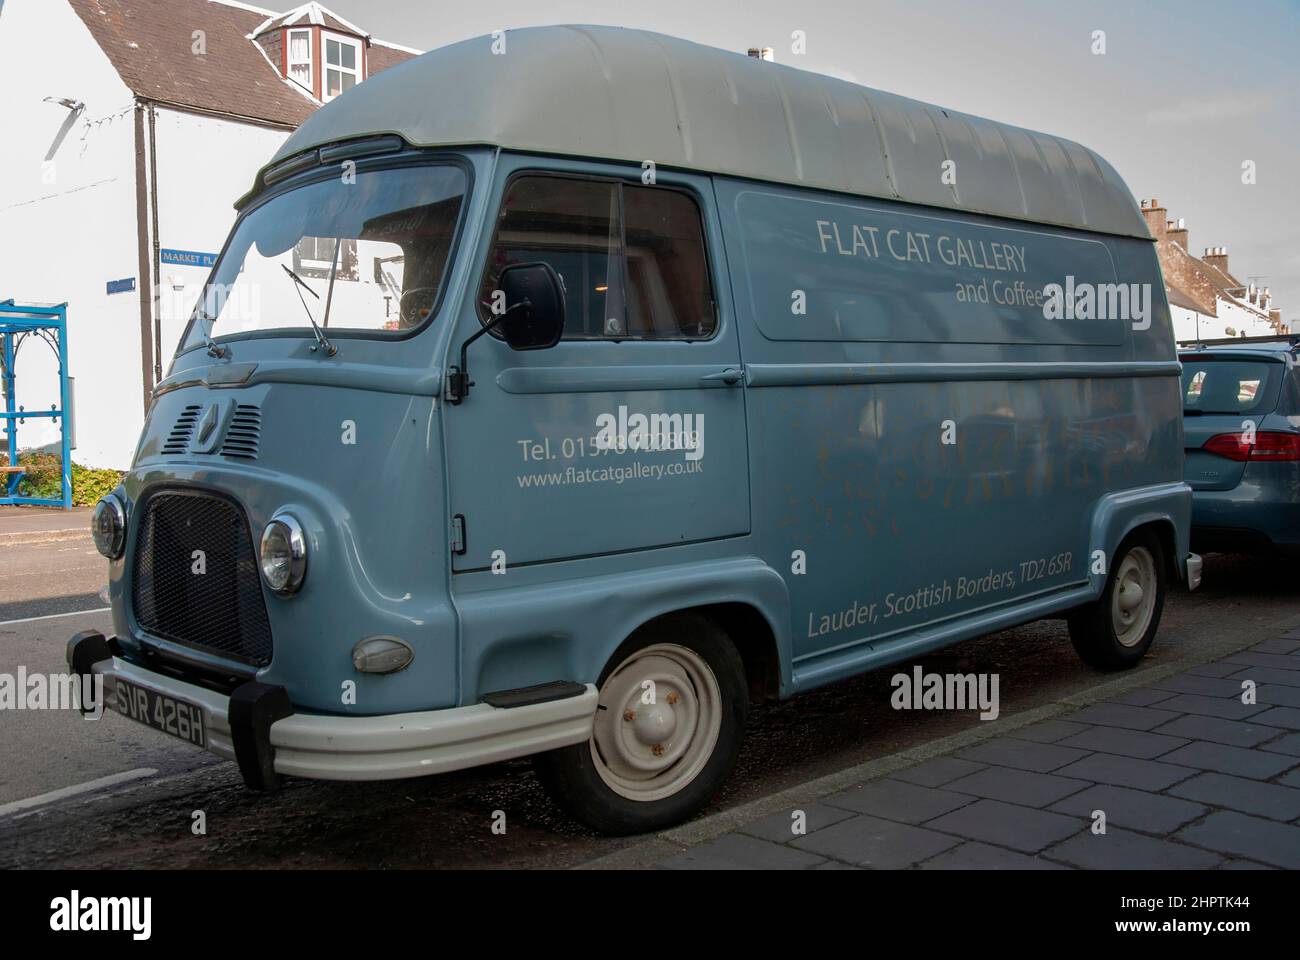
409,310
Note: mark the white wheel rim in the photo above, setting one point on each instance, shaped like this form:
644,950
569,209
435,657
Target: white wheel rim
648,751
1133,601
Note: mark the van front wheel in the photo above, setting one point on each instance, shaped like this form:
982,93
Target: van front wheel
666,733
1115,632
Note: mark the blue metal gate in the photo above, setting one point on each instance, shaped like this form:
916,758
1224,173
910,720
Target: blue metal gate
18,324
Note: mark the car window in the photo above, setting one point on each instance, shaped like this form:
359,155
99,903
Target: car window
632,259
1229,386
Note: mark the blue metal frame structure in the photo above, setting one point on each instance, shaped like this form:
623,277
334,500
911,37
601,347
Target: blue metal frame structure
19,322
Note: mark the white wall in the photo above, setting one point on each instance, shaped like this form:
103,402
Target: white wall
67,226
204,165
1242,319
1189,325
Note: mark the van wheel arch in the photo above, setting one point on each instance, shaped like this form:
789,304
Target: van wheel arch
752,635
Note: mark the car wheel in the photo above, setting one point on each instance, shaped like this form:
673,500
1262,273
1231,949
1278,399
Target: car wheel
667,730
1115,632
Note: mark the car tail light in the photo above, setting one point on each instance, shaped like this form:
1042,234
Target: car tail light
1268,445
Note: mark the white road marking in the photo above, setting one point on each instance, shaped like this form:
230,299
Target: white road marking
54,616
80,788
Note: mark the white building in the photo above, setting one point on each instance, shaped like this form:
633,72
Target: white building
1206,301
132,126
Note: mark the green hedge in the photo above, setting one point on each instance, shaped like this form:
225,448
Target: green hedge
42,479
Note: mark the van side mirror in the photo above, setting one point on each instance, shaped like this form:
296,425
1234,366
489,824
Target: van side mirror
533,318
534,314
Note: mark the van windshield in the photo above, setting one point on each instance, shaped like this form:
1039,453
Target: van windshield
384,235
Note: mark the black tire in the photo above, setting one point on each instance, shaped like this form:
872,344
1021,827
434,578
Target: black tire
1093,628
572,778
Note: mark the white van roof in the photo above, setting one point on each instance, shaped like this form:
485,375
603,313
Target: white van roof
632,95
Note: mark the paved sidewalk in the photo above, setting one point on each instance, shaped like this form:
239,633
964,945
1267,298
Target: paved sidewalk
1187,776
28,524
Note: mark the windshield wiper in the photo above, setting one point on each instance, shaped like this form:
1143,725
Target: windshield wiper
215,350
321,339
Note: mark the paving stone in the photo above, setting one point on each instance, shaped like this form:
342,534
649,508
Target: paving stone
1225,707
1048,731
1238,761
1232,732
1008,825
1217,668
1126,771
1141,697
1128,743
1248,796
1131,809
872,842
1286,717
1276,661
1124,850
1024,755
1283,645
1289,744
835,865
1017,786
897,800
735,851
937,772
777,827
1292,779
1122,715
981,856
1278,695
1254,838
1286,678
1204,686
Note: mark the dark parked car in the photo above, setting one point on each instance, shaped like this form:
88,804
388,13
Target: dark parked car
1241,428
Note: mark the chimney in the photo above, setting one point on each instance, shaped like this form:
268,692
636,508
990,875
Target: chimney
1176,231
763,53
1155,217
1217,257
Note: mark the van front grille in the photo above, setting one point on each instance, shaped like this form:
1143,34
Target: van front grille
195,578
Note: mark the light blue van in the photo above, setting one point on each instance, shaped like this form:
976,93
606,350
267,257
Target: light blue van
566,392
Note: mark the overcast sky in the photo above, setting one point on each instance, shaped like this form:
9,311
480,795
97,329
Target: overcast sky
1186,91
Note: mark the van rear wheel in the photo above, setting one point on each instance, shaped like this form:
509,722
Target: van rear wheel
667,730
1115,632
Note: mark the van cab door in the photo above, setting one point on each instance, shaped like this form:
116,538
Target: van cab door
630,433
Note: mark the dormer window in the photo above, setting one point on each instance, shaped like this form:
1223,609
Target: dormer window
298,44
342,64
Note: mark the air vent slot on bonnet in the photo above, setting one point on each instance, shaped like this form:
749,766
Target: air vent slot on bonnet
179,438
244,433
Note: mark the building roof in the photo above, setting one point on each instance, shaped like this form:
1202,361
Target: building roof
633,95
149,43
1179,297
309,14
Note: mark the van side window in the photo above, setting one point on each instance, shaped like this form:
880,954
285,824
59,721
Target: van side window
632,258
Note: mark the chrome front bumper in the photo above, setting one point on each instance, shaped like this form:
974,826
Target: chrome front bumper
387,747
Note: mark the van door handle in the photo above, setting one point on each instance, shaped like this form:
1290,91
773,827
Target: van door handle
730,376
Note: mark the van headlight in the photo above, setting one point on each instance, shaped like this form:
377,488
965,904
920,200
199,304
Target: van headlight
108,526
284,554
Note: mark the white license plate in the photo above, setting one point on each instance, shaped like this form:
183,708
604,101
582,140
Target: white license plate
180,718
